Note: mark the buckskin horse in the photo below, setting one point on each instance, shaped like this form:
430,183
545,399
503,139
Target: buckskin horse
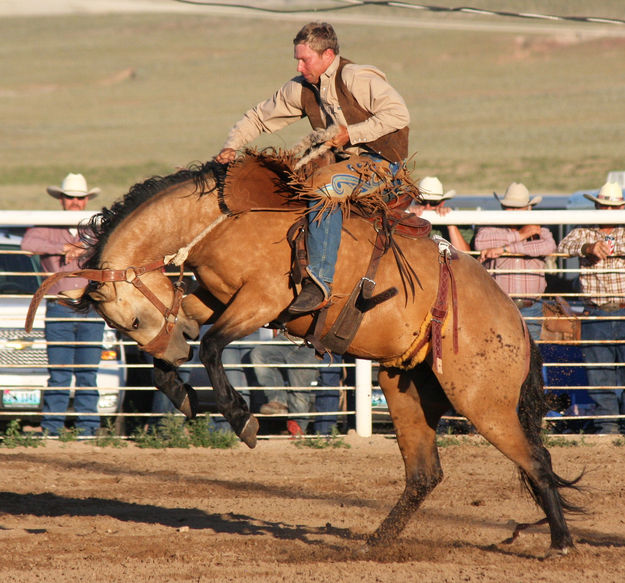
487,367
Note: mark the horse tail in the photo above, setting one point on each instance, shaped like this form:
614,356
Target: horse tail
532,408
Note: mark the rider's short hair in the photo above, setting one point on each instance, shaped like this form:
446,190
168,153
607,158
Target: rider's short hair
319,36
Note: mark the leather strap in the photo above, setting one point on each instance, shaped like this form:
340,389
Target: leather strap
129,275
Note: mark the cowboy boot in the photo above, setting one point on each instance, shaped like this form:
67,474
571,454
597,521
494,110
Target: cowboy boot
310,299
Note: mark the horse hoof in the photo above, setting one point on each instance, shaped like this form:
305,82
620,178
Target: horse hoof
249,431
553,552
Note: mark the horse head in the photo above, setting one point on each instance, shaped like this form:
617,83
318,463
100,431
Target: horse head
144,304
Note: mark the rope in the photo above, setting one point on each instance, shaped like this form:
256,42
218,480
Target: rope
426,7
180,256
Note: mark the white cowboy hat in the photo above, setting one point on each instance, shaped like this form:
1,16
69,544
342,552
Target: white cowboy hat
517,196
73,185
431,188
610,195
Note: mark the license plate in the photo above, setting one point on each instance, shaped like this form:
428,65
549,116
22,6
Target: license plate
20,399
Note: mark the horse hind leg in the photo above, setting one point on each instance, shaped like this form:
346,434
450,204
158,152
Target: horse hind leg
416,410
516,433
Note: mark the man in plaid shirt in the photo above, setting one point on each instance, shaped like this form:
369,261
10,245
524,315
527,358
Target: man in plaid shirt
602,247
518,248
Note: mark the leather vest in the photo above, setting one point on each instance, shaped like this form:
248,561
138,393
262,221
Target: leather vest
392,147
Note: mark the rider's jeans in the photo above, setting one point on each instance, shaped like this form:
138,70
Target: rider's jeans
324,234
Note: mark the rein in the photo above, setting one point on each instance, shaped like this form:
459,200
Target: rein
129,275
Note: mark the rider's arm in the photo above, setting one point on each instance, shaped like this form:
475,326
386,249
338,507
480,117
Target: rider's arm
372,91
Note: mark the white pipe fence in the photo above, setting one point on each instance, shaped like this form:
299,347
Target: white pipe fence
363,386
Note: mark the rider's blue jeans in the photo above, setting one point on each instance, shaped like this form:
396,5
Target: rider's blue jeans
324,234
56,400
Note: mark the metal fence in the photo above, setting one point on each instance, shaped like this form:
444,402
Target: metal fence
362,405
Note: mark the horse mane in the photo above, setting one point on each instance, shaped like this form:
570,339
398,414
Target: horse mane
96,231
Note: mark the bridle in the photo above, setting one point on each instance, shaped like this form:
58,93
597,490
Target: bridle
130,275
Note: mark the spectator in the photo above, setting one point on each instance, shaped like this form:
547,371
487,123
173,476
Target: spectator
284,401
433,199
518,248
73,344
600,248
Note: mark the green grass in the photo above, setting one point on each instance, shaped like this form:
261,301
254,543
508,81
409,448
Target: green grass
543,106
173,432
332,441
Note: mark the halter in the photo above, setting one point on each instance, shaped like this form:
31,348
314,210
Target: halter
129,275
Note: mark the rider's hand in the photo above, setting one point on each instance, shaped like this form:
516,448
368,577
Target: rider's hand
341,138
226,156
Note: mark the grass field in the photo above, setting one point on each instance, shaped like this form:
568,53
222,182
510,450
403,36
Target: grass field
123,97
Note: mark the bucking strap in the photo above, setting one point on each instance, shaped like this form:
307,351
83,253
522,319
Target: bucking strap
438,314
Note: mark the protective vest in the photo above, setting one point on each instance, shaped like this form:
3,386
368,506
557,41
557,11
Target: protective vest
392,147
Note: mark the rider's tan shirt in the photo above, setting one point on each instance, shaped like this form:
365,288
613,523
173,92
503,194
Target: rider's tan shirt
368,86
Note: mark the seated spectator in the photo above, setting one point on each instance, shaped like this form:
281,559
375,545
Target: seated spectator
433,199
601,249
520,248
282,401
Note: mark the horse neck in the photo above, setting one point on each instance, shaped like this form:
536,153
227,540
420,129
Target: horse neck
160,228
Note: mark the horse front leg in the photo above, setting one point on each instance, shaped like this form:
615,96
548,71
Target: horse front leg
229,403
182,395
415,411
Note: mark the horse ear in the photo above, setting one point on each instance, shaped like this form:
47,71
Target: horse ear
104,293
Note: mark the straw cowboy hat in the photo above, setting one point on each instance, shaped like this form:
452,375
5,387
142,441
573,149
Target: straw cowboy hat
73,185
517,196
431,188
610,195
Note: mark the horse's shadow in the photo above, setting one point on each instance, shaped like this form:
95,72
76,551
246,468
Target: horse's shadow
51,505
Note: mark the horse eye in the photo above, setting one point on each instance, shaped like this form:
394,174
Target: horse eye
135,323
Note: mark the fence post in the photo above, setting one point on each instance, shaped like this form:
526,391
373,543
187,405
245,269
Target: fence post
363,398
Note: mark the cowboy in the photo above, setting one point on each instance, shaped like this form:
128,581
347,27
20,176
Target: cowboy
433,198
601,249
519,252
371,122
60,250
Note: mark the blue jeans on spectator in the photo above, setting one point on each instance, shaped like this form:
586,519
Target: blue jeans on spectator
327,401
269,376
534,327
56,400
608,401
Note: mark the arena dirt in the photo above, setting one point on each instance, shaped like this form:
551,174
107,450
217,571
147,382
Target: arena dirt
77,512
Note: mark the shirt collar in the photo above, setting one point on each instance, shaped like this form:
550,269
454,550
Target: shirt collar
332,68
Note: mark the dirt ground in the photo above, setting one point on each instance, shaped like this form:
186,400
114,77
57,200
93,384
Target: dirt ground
77,512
